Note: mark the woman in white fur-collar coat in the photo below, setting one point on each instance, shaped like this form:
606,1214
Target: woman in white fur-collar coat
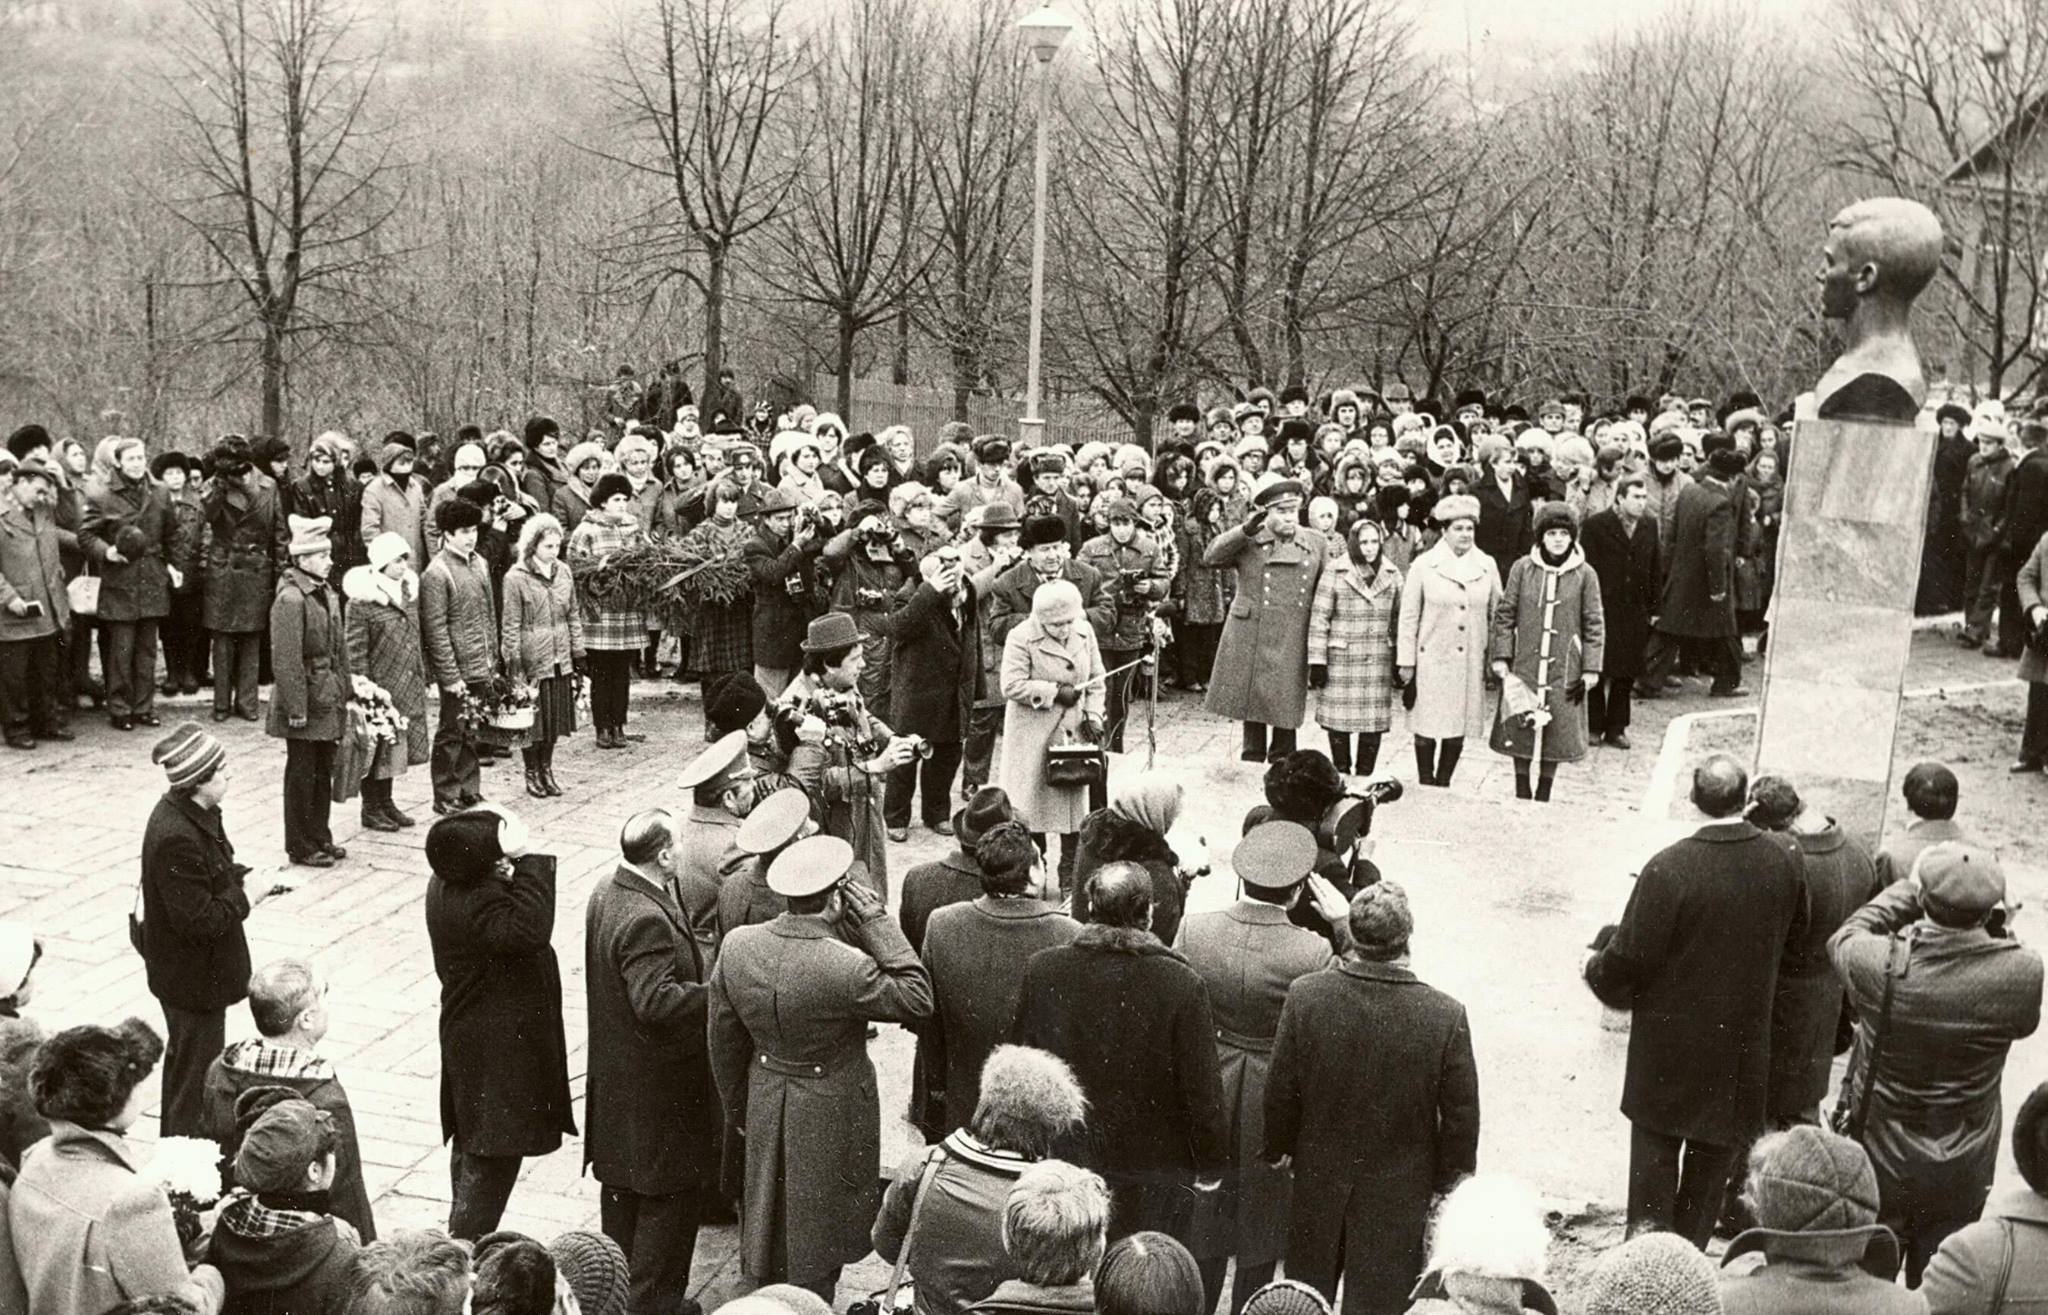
382,624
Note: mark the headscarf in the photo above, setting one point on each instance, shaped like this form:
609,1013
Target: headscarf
1358,529
1150,800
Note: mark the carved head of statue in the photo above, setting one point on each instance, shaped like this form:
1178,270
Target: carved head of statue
1886,248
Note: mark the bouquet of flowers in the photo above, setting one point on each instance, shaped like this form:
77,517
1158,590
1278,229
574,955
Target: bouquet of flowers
188,1169
381,716
665,576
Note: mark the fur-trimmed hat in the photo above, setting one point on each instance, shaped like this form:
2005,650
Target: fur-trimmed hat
164,461
609,487
1555,516
1955,411
1042,530
1456,507
1180,411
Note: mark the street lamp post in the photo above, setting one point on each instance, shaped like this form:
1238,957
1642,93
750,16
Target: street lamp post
1044,30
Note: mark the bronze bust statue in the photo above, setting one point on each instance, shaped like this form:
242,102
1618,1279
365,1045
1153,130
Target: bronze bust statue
1879,255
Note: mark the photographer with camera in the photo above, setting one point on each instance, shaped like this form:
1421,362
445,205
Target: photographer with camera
782,557
842,754
1941,989
1128,560
868,566
939,679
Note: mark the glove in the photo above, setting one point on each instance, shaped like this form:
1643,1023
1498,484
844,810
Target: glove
478,688
1091,730
1068,696
1318,675
1576,693
1408,696
580,665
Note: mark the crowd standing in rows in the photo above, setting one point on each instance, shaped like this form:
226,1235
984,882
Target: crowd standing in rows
1124,1100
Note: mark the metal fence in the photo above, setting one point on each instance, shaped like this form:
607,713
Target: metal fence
878,403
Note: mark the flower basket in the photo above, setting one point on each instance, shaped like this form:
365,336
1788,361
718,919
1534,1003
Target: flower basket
513,719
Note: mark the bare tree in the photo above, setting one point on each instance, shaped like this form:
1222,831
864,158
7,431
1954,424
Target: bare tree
290,183
1945,104
975,146
708,94
845,244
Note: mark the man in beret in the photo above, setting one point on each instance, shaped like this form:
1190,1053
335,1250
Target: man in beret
1365,1172
1923,1097
1260,676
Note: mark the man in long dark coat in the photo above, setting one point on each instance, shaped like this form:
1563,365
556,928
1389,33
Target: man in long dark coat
1365,1172
790,1005
1261,672
504,1059
1133,1021
1696,606
1695,958
650,1127
1621,547
936,678
246,552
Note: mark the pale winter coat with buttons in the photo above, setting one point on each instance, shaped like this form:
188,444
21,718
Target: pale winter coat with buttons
1447,603
1261,671
1035,665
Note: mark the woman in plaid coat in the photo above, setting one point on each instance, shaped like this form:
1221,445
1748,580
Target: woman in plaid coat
1351,630
611,636
722,636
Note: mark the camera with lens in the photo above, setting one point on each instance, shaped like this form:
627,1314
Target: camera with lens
919,745
1349,819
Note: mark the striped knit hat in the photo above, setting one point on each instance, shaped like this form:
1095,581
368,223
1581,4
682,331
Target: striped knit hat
188,755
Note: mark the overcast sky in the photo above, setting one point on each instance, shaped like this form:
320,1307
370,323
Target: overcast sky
1512,28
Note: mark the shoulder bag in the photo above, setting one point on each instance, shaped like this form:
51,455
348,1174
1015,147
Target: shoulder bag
1850,1119
83,591
932,1161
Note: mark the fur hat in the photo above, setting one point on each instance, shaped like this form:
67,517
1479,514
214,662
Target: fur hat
609,487
1555,516
581,455
1456,507
1187,411
231,458
991,450
457,514
1667,446
1042,530
1955,411
164,461
269,450
734,702
1344,397
310,534
1653,1274
515,1275
27,439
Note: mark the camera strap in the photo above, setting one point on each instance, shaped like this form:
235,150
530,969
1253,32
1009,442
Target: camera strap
933,1159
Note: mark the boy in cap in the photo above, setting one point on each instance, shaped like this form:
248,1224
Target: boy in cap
278,1244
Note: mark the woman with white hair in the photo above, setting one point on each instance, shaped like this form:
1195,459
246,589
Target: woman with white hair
1053,693
1488,1253
1030,1100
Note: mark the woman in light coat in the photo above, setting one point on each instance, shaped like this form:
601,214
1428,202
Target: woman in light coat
1446,605
1549,644
541,640
382,623
1351,628
1053,693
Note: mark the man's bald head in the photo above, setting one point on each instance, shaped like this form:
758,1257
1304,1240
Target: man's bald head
1120,895
1901,238
1719,786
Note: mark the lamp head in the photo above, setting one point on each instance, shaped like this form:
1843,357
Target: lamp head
1044,30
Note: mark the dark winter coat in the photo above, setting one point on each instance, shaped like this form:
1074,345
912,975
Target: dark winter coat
193,907
1959,1001
1698,598
1695,958
304,1270
1110,837
1630,572
651,1121
1132,1020
785,583
929,887
245,553
935,666
138,520
977,953
1261,671
504,1061
1807,1008
1984,496
2024,517
1504,531
225,1083
190,554
1364,1170
338,499
309,657
790,1007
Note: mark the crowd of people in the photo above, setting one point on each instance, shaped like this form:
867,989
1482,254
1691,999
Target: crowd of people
1129,1107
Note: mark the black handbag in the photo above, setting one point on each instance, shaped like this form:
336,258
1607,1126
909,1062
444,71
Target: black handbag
1070,765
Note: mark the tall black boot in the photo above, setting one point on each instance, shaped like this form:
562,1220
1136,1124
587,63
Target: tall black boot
1543,780
376,811
534,785
1340,751
1425,760
1254,750
547,768
1447,761
1368,752
1521,778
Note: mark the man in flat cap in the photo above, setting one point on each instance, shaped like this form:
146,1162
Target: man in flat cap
790,1005
1923,1097
1247,956
651,1116
1365,1172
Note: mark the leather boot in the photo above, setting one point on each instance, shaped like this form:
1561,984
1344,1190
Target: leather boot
534,785
547,769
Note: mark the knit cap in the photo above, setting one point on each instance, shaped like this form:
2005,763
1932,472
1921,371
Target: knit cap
1811,1180
595,1268
188,754
1286,1296
1654,1274
310,534
387,548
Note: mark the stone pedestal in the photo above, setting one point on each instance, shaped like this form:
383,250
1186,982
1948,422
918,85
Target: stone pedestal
1842,623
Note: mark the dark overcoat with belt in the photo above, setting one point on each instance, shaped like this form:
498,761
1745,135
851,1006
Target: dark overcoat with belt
1364,1170
193,907
790,1007
1133,1021
1698,598
504,1060
1630,577
1261,670
650,1120
247,539
935,667
1695,958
